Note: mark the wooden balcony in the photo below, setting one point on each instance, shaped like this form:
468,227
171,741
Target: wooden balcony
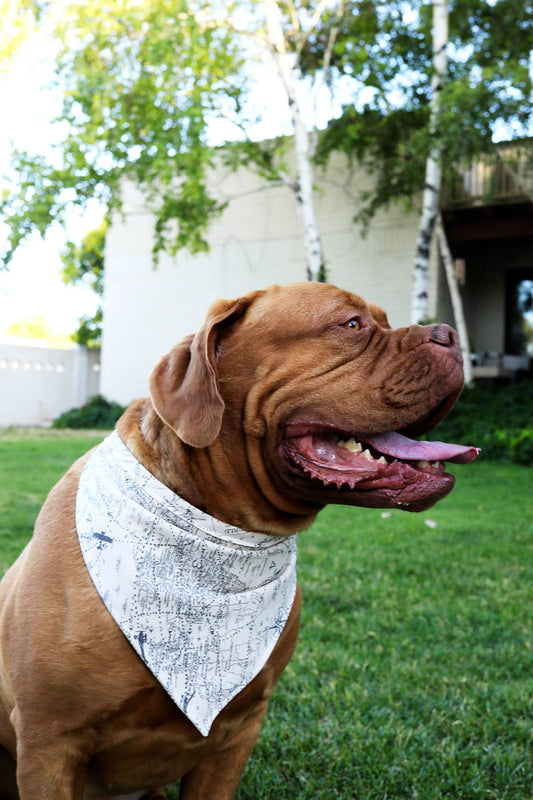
507,178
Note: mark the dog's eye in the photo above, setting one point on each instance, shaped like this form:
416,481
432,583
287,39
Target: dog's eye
353,324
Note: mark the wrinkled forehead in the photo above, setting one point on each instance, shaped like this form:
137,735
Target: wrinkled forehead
306,301
379,315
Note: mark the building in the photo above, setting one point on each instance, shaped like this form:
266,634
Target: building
489,224
257,241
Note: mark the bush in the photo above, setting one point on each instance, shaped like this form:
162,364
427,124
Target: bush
96,413
498,419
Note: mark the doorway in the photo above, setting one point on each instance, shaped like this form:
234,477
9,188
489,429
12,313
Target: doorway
519,313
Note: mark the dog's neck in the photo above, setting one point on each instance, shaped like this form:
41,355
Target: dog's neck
190,472
158,449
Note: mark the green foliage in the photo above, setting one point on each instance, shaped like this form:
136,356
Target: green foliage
390,144
96,413
139,83
89,332
497,419
142,81
84,264
489,87
17,21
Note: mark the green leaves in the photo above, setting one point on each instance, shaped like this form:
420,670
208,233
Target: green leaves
487,95
142,82
84,264
17,21
391,146
139,84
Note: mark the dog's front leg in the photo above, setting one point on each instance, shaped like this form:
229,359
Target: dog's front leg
49,770
218,775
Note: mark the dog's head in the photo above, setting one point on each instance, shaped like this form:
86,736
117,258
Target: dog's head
320,395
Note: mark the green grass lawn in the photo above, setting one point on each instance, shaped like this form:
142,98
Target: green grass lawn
413,676
31,461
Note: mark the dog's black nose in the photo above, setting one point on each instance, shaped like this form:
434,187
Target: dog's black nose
443,334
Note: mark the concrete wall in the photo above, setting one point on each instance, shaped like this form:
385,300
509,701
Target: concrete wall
256,242
38,383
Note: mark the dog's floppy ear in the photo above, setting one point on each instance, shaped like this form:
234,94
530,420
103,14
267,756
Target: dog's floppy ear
184,384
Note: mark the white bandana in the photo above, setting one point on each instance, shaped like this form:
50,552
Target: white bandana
202,603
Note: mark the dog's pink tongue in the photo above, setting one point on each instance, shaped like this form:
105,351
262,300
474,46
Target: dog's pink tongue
398,446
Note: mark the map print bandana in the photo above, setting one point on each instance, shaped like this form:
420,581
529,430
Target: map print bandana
202,603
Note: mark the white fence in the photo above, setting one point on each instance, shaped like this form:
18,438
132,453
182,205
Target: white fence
39,383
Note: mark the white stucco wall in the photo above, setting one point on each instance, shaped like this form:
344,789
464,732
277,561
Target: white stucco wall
38,383
256,242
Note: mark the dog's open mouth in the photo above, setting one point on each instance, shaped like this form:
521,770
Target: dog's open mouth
389,469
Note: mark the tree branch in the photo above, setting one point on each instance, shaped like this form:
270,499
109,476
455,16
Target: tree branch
455,296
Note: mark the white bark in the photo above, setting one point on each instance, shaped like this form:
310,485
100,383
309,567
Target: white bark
432,183
303,187
457,305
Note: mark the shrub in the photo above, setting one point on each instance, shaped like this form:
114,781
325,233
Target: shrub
498,419
96,413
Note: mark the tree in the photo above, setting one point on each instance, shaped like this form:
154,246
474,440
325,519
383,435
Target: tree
432,181
143,82
84,264
431,218
389,128
139,82
428,115
17,21
142,85
455,296
278,44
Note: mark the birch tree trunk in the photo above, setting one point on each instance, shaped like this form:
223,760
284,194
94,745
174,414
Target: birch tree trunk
457,305
303,187
432,182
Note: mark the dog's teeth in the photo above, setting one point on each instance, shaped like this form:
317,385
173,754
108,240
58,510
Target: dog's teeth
351,445
368,455
382,460
438,464
423,464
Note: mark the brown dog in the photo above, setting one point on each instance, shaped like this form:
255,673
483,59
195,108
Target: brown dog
257,421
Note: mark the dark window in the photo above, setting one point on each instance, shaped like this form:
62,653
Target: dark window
519,322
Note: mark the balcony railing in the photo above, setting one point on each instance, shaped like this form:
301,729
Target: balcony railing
506,178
